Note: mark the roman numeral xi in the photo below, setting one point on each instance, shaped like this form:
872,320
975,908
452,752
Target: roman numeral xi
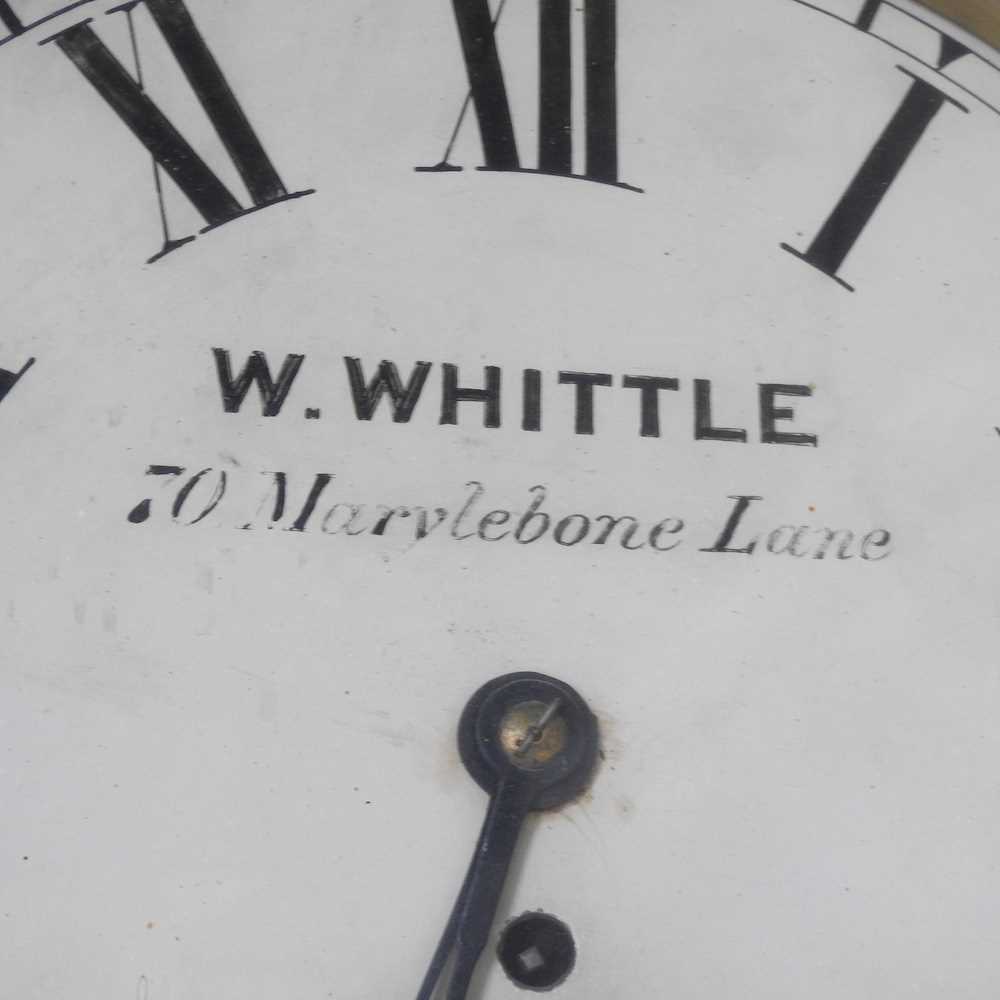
172,154
487,93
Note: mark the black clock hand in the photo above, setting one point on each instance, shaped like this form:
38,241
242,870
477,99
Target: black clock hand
531,742
488,873
471,916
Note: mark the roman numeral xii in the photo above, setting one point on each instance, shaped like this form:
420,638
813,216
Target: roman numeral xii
487,94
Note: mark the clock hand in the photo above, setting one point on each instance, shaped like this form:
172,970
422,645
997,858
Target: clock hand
462,935
508,809
531,742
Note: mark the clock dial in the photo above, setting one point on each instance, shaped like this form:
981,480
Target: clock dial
353,357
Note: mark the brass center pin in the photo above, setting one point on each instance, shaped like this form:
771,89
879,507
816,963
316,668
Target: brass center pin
531,733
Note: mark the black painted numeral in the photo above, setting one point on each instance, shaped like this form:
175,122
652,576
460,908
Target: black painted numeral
488,92
845,224
200,481
17,26
10,20
9,379
171,152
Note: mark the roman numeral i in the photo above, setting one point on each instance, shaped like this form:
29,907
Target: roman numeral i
171,152
886,159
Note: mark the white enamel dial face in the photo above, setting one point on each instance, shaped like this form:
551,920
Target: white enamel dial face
689,402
